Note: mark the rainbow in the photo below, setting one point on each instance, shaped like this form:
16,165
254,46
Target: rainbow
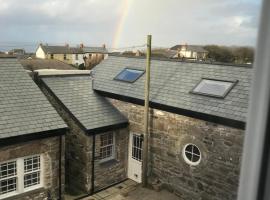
126,4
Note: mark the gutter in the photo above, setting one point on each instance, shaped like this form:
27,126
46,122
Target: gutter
189,113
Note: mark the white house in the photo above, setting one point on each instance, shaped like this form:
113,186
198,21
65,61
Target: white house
190,51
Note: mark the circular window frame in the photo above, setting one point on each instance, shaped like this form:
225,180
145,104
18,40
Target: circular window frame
187,160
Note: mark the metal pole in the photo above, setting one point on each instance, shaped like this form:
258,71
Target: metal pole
146,113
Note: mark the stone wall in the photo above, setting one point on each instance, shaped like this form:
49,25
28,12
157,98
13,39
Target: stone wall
49,148
78,151
115,170
217,175
79,155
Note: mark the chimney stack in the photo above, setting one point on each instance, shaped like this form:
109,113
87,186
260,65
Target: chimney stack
104,46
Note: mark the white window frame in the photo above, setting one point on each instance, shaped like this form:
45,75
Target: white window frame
113,148
187,160
13,192
20,176
255,163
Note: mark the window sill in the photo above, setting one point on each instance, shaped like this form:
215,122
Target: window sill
108,163
27,193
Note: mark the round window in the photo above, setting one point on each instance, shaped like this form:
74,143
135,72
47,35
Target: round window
192,154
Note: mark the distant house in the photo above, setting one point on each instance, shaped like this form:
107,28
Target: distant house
65,54
72,55
31,138
17,52
94,55
190,52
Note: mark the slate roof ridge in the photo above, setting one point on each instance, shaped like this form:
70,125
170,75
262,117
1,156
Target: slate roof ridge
184,61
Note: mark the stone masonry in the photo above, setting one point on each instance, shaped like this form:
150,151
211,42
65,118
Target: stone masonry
49,148
217,175
79,155
112,171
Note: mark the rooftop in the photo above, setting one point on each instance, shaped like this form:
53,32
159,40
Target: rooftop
92,111
195,48
72,50
171,86
23,109
36,64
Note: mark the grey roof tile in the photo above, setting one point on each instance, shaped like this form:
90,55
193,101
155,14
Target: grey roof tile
90,109
171,83
23,107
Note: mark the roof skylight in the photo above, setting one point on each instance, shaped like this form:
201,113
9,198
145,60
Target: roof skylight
215,88
129,75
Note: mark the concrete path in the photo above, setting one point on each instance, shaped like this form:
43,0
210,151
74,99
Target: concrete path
130,190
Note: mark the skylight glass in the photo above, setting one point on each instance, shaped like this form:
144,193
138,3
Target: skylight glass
129,75
216,88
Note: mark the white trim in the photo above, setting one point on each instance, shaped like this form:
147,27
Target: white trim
113,148
258,114
187,160
20,176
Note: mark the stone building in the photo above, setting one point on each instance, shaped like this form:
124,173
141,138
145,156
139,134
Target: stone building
197,120
31,138
87,56
96,143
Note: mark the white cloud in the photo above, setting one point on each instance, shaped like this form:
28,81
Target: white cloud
95,21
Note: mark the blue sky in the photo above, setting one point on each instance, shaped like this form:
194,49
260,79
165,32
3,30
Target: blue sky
25,23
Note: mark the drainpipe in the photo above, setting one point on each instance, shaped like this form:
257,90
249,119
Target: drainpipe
93,165
146,113
60,167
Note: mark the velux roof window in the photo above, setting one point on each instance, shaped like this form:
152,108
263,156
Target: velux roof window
214,88
129,75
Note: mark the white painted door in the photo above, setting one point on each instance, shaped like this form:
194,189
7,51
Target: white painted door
135,157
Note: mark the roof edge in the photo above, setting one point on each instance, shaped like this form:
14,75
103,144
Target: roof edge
197,115
107,128
183,61
32,136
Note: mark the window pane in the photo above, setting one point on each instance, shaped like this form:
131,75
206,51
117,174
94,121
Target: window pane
8,169
32,164
31,179
213,87
129,75
189,148
106,146
8,185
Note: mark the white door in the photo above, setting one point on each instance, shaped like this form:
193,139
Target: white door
135,157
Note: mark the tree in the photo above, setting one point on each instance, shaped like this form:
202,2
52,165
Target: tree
81,66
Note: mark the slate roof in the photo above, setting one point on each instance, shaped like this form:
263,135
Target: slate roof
95,50
56,49
23,108
35,64
172,81
91,110
194,48
72,50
